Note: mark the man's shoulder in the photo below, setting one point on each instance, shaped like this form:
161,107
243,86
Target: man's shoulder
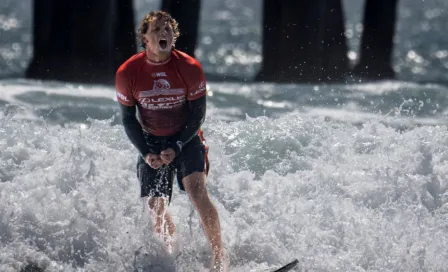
185,60
131,64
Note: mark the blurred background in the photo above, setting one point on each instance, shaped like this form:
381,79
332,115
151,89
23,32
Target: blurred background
229,40
325,49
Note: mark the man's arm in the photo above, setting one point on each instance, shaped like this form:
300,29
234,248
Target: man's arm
197,109
133,129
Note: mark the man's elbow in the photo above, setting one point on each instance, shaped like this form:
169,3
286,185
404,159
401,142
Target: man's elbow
129,120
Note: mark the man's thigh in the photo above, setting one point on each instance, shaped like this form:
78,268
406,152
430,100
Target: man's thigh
192,159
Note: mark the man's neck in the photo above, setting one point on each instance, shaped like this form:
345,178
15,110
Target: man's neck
157,58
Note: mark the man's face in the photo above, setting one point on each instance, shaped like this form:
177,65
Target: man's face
159,37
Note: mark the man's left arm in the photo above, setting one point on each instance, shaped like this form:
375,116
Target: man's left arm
196,118
196,98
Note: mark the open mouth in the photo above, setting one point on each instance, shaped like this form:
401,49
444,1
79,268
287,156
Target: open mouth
163,43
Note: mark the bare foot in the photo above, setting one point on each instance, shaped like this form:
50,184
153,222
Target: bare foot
219,263
171,244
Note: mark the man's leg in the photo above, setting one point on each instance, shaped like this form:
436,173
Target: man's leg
156,184
194,185
162,222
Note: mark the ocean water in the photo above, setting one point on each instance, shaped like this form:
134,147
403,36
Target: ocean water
330,175
343,177
230,37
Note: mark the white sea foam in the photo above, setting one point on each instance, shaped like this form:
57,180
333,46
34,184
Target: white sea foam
338,197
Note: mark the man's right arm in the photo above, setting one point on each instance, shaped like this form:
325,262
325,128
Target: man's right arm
127,104
133,129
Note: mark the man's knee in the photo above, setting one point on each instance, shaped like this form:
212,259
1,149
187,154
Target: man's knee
195,186
157,205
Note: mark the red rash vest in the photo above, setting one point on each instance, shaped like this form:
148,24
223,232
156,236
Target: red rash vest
160,90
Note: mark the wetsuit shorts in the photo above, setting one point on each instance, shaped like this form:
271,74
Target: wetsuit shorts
159,182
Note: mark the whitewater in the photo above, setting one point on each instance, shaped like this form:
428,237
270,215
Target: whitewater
329,175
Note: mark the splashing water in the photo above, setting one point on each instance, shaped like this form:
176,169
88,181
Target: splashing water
338,197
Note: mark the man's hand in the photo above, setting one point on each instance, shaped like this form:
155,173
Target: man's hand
153,160
167,155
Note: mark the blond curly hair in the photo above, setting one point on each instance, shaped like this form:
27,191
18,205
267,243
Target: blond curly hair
144,25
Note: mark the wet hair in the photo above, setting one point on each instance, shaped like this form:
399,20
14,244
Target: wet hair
144,25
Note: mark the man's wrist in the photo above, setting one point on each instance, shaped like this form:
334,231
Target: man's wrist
145,154
177,146
145,151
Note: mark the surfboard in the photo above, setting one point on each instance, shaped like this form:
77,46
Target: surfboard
288,266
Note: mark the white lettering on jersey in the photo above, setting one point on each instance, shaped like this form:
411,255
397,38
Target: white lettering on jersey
162,96
158,103
162,99
161,92
161,87
122,97
202,88
160,74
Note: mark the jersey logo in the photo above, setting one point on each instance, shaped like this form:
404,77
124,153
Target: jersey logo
161,87
162,96
122,97
161,103
159,74
202,86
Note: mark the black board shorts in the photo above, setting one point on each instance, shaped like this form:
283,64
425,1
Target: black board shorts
159,182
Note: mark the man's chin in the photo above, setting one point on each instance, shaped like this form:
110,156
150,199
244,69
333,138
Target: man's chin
164,50
159,52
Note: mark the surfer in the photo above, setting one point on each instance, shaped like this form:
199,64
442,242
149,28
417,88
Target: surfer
166,88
